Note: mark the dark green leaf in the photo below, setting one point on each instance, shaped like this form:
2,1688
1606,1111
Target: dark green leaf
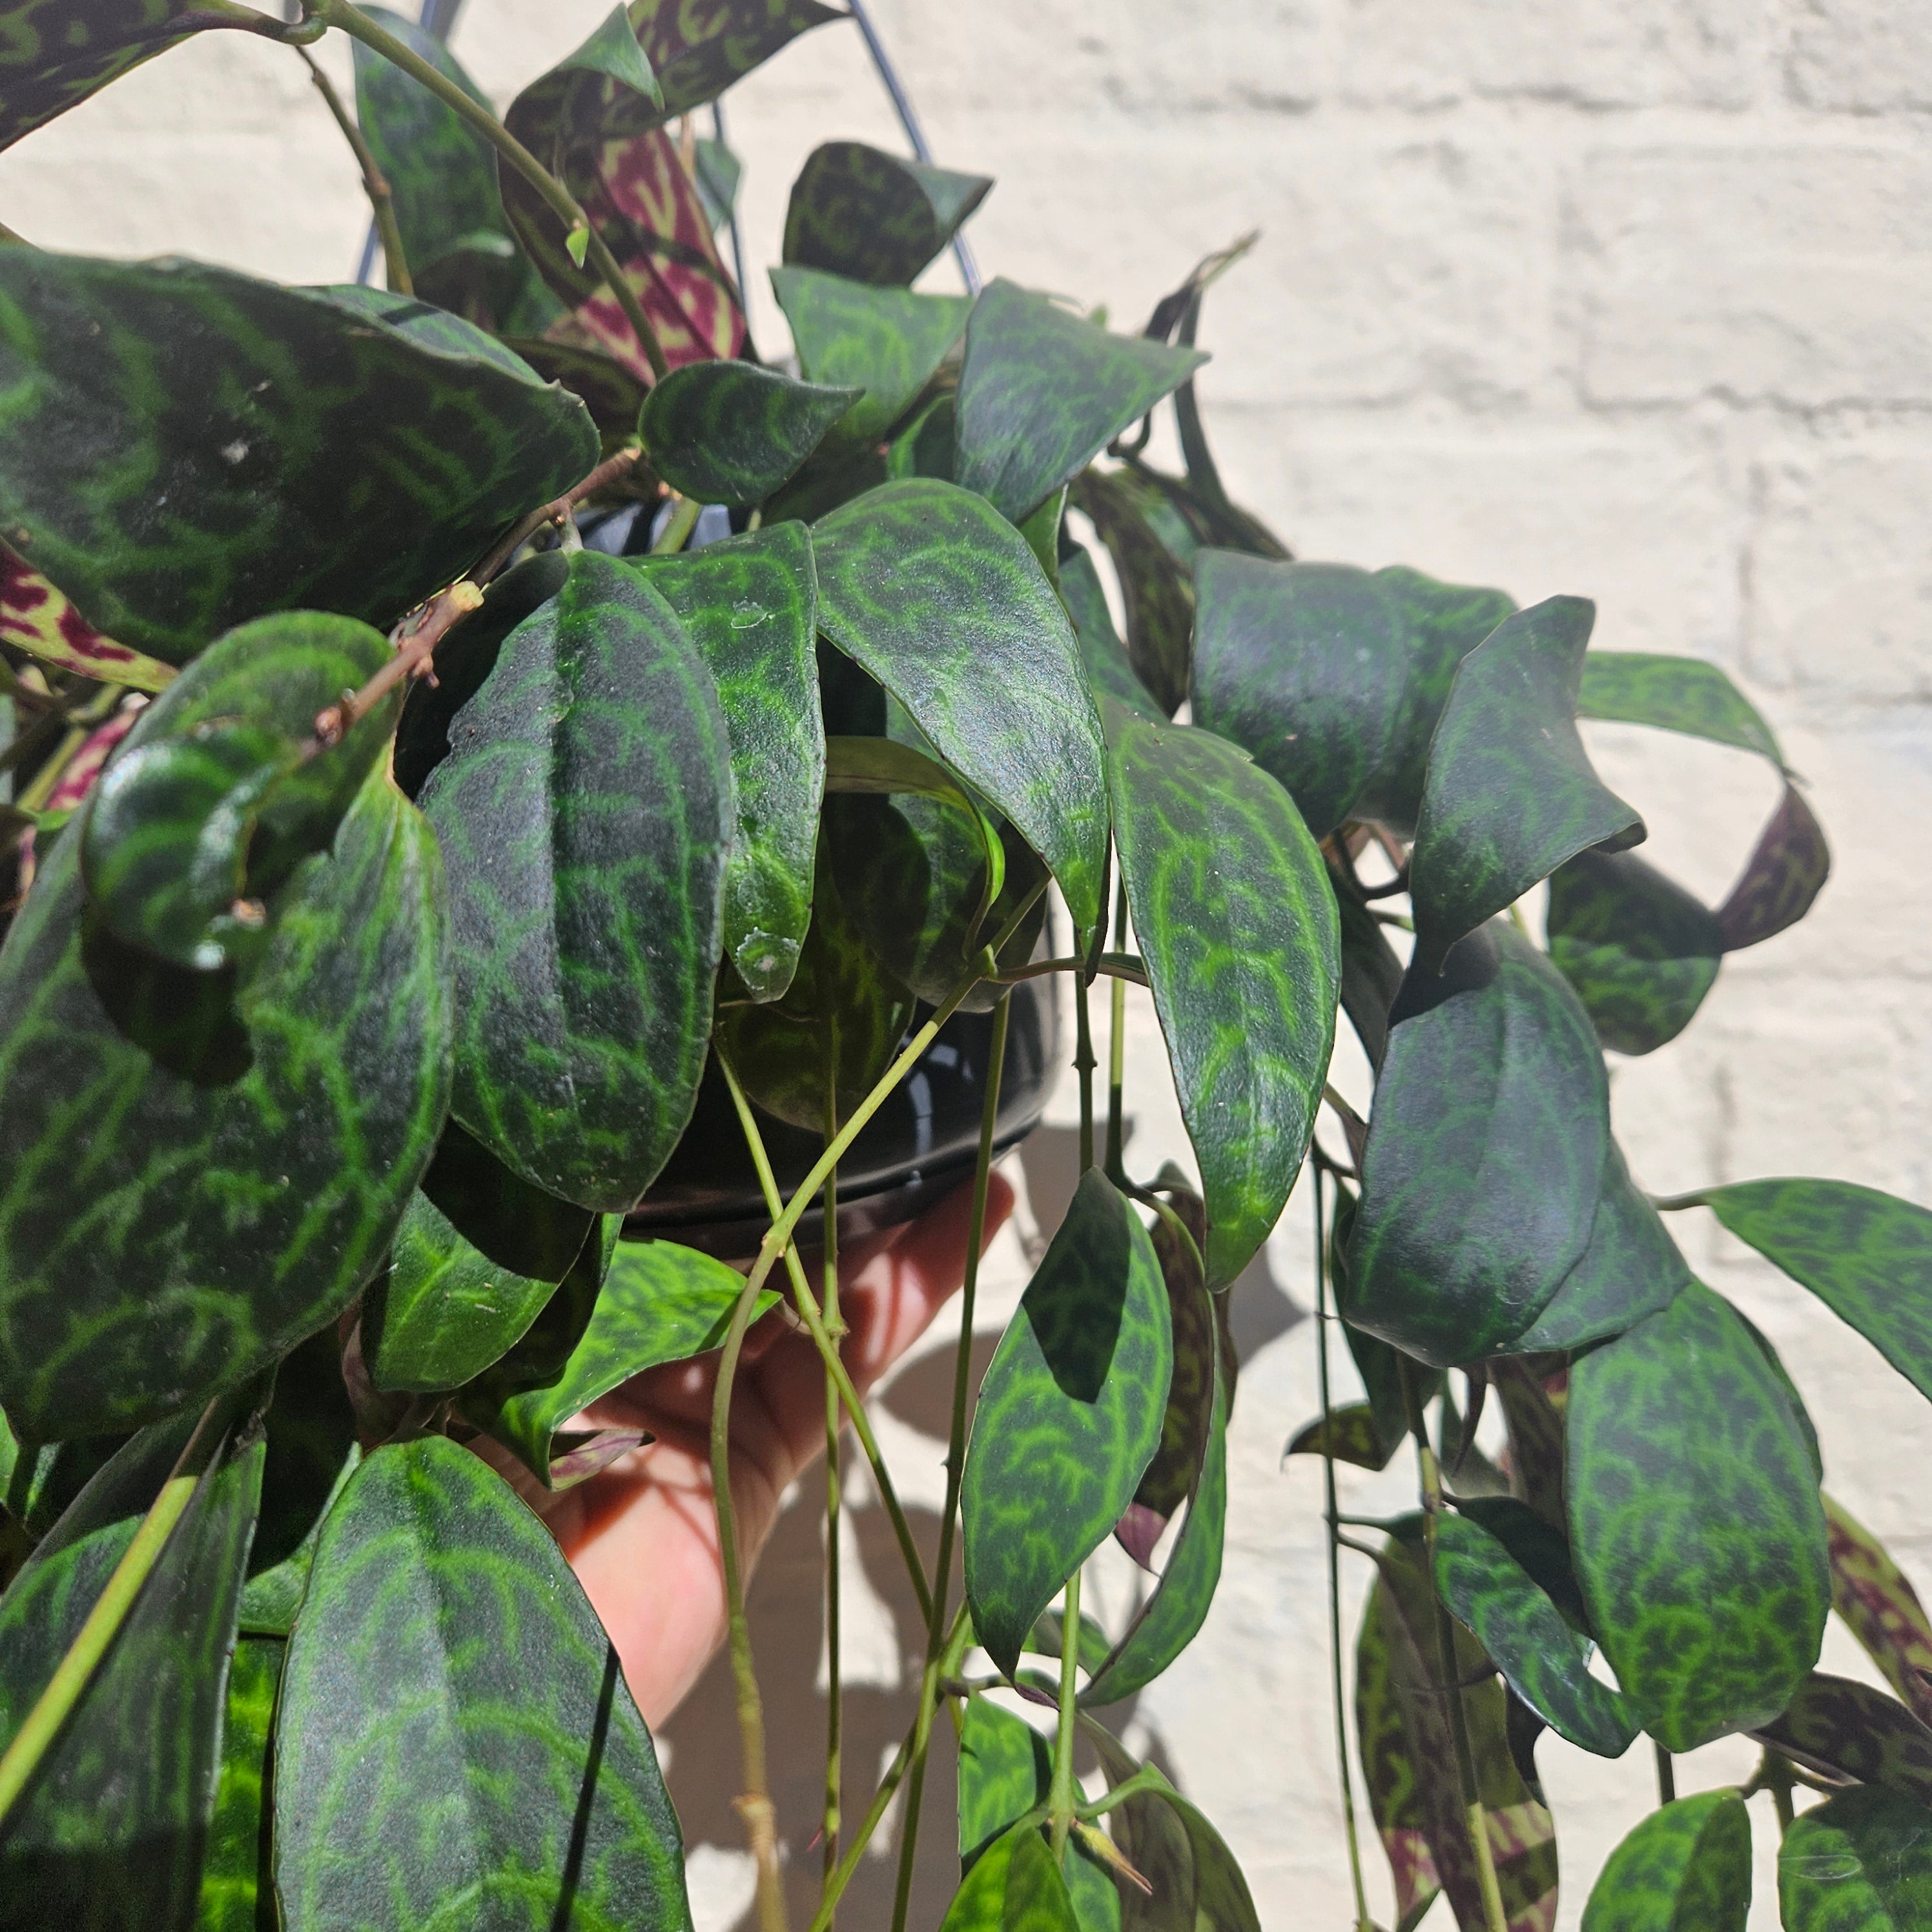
1371,972
874,217
731,432
1157,589
360,485
1394,1789
1536,1444
1511,793
1048,1637
110,1830
1676,695
1069,1415
1108,673
1005,1766
660,1302
1862,1862
479,1253
1484,1152
1536,1546
266,1128
938,597
885,342
235,1877
584,811
1696,1524
1546,1662
1042,392
1237,926
447,1666
1867,1256
1786,871
1170,1478
610,390
1640,951
1880,1608
1353,1433
1843,1729
924,446
1302,665
1687,1868
751,606
1015,1886
698,48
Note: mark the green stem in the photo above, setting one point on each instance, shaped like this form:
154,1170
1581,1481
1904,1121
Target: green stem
1666,1776
1116,1052
677,533
1085,1063
1775,1775
1475,1816
74,1671
1064,1797
1363,1923
1146,1779
956,1459
382,203
835,1698
555,196
1128,966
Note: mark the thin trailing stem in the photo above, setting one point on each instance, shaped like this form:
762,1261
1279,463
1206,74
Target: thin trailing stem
1363,1922
375,184
834,1449
1116,1048
676,533
1084,1063
1666,1776
1476,1817
1146,1779
956,1459
1063,1798
555,196
1113,965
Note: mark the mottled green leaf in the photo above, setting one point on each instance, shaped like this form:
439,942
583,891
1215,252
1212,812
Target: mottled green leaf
110,1830
1880,1608
698,48
1237,927
1178,1237
732,432
457,1744
1392,1790
1350,1435
1674,694
1484,1151
1860,1862
1069,1415
1511,793
1015,1886
1156,587
479,1253
924,446
584,811
938,597
1302,665
609,389
1698,1533
1371,972
1786,872
235,1893
1687,1868
1844,1729
873,216
750,604
41,620
885,342
1108,673
1005,1766
1042,392
267,1128
660,1302
1867,1256
1546,1662
312,457
1640,951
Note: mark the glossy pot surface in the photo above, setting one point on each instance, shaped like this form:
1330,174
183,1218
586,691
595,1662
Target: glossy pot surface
919,1147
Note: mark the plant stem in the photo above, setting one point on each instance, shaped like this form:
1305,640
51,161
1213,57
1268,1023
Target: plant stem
1146,1779
1064,1795
677,533
76,1670
1494,1918
382,203
956,1459
1775,1775
1362,1919
1666,1776
555,196
1114,965
1084,1061
834,1448
1116,1051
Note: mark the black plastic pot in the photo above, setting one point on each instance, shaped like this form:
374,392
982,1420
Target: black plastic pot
919,1147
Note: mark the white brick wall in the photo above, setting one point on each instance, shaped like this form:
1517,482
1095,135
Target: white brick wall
1625,297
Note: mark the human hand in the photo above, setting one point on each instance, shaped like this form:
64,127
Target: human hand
642,1534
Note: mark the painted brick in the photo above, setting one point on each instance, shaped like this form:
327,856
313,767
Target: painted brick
1871,56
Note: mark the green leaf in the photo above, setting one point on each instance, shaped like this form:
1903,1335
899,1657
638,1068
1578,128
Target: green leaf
200,1169
1237,926
873,216
1860,1862
1786,872
1546,1663
41,620
1846,1730
731,432
1014,1887
938,597
1485,1148
1880,1608
1354,1434
1640,951
110,1827
1867,1256
1156,587
884,342
584,811
1108,673
359,485
608,388
1005,1767
1371,972
1194,1316
750,604
1511,793
232,1899
1537,1454
1069,1415
1042,392
1675,694
660,1302
1695,1522
479,1253
1687,1868
1392,1789
1302,665
698,48
447,1669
